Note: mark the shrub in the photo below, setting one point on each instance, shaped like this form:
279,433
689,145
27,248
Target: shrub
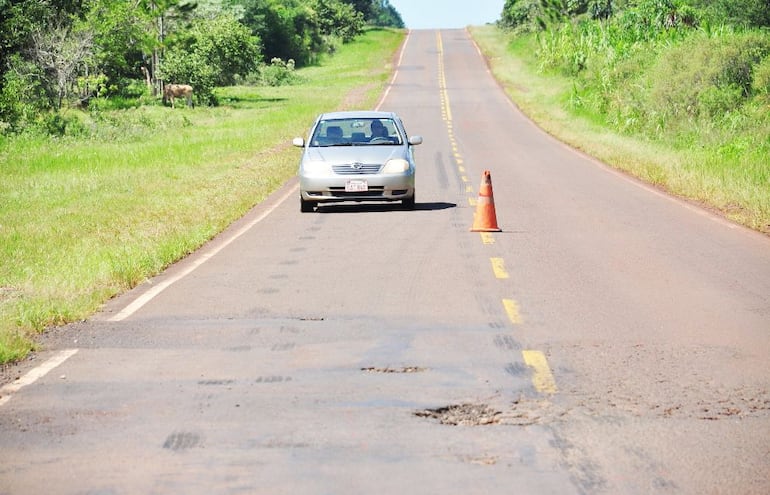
22,97
60,124
278,73
760,83
707,75
714,101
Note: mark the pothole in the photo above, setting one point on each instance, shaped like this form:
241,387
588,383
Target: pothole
403,369
462,415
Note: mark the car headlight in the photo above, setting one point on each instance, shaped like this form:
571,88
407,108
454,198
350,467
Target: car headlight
396,166
312,167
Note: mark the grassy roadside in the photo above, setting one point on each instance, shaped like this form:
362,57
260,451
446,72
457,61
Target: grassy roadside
84,219
733,183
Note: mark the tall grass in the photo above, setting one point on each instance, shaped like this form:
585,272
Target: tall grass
86,216
685,109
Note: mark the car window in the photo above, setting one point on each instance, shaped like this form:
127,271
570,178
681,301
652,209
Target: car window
356,132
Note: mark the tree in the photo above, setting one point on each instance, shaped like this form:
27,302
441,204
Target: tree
336,18
382,13
60,50
377,12
365,7
21,92
520,15
213,52
751,13
121,38
161,14
299,29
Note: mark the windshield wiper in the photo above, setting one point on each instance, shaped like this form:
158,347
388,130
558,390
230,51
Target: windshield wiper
334,144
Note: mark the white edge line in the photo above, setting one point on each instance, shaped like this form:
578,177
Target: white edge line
198,261
483,57
395,72
33,375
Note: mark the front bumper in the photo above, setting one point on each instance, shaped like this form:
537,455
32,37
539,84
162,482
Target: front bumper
380,188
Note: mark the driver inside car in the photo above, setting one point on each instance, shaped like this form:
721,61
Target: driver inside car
378,129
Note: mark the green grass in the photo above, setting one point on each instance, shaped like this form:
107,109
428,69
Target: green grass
83,219
719,162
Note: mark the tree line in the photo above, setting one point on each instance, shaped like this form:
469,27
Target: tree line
533,15
59,53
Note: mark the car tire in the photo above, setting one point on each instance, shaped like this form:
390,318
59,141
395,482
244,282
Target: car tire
408,203
306,206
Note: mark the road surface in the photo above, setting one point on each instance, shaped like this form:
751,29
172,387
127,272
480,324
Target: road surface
609,340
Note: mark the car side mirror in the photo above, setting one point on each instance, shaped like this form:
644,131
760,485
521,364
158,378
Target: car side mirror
298,142
415,140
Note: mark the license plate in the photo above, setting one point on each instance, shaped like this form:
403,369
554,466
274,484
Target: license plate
356,186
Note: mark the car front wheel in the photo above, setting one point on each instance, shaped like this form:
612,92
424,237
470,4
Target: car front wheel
408,203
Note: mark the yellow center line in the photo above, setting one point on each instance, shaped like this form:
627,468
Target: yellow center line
542,378
487,238
512,310
498,266
442,78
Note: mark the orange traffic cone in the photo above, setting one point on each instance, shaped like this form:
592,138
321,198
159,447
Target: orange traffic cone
485,219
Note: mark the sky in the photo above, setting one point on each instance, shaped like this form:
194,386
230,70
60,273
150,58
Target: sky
447,14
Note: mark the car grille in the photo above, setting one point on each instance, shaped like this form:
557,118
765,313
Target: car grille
357,169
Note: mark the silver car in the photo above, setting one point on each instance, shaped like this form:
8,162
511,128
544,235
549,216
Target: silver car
357,156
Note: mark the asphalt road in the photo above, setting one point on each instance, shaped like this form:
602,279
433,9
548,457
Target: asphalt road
609,340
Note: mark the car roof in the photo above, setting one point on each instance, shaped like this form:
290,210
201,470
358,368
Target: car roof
360,114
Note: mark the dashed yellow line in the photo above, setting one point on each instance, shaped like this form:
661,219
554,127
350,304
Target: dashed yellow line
512,310
498,267
448,107
487,238
542,378
442,79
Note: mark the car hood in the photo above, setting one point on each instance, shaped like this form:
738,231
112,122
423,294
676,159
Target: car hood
353,154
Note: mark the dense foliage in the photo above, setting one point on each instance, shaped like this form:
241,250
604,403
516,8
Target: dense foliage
681,73
55,54
527,15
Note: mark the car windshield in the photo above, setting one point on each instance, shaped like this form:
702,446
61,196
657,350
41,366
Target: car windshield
356,132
